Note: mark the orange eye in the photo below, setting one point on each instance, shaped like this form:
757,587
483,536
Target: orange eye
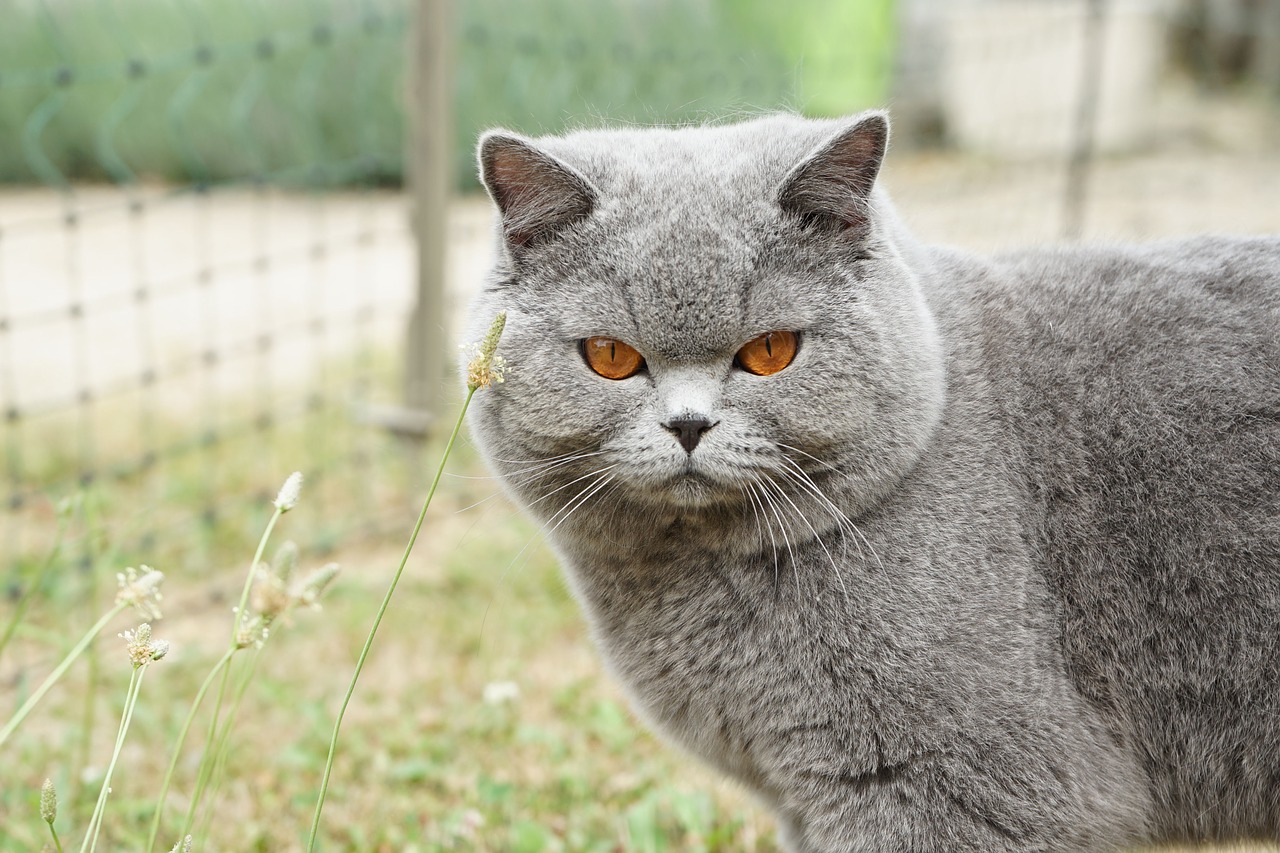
611,358
768,353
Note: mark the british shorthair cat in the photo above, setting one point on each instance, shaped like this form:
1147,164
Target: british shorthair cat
931,551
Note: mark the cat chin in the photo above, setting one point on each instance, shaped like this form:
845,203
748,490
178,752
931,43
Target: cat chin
686,492
694,491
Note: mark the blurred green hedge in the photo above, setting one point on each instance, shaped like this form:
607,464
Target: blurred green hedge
309,92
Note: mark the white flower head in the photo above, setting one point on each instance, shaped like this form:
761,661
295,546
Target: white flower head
307,593
287,499
285,560
183,846
486,367
142,648
270,596
141,591
48,802
254,633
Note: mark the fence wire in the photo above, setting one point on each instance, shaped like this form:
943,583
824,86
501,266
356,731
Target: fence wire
199,287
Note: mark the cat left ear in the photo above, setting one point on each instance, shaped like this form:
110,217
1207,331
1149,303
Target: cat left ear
536,193
833,184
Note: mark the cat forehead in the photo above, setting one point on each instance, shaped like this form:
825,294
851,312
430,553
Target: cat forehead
690,279
749,159
687,211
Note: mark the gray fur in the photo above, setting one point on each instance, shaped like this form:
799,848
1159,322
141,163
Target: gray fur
993,565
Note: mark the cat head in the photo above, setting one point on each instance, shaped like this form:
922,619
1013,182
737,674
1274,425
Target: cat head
711,320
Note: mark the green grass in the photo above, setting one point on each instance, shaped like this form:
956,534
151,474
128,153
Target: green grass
426,763
197,502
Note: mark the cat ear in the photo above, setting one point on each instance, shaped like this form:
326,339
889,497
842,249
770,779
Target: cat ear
832,185
536,193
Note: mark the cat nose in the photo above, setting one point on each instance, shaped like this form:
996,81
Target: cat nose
688,431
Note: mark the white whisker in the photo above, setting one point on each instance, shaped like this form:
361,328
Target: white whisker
782,528
557,458
817,536
480,502
595,487
824,464
531,473
564,486
551,464
843,521
542,530
758,508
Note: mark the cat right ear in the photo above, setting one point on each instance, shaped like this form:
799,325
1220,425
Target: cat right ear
833,184
537,194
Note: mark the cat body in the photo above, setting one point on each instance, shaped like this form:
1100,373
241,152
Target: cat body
991,563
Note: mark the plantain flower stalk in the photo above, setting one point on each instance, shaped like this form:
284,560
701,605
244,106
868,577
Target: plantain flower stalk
485,369
49,810
143,650
271,592
287,498
246,631
137,589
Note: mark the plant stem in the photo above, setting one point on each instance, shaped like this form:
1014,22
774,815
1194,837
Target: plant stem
248,581
95,822
95,535
56,841
59,671
177,747
207,756
224,737
35,583
368,643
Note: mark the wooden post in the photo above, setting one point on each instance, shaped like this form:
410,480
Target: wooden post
429,170
1085,130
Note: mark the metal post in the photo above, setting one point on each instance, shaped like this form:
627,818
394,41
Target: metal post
428,167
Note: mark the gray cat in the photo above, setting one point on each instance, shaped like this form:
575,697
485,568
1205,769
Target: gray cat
930,551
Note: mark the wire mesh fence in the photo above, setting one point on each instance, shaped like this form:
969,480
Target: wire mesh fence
199,266
206,257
